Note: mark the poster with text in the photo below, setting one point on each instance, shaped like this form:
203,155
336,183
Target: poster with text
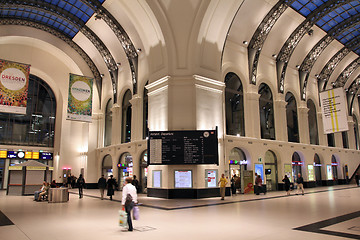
248,176
334,113
211,178
14,83
311,172
183,179
329,172
80,98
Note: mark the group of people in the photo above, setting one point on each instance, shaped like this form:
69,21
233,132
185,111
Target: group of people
258,187
111,185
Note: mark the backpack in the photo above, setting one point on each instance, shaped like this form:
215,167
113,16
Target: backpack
128,199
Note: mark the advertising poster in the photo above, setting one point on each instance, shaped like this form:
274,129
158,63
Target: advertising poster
156,179
334,113
14,83
80,98
248,181
311,172
211,178
183,179
329,172
259,169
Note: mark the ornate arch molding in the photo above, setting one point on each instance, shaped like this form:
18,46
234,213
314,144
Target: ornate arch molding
316,51
260,35
72,44
294,39
352,93
102,13
346,74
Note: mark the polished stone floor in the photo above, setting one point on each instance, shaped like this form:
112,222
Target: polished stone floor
322,213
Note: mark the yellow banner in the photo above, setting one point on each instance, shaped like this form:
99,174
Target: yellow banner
15,168
35,168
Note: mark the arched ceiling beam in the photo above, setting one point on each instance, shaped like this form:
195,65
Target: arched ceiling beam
326,72
329,68
294,39
67,17
346,74
122,36
352,93
260,35
72,44
315,52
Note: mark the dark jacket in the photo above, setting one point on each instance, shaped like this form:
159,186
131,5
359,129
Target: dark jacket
102,183
300,180
111,185
80,182
287,183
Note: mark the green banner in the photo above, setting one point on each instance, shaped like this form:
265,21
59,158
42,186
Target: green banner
14,83
80,98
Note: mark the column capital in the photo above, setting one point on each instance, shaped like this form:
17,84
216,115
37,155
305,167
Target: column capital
97,116
254,96
303,110
280,103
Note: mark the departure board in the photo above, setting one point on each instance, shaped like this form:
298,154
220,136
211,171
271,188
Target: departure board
183,147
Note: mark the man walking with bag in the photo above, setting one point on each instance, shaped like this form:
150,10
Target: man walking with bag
129,199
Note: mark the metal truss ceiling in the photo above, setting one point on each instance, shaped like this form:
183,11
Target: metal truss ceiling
69,17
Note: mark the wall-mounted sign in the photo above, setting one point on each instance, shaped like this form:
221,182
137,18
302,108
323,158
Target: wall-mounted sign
11,154
183,147
3,154
329,172
35,155
156,178
46,156
211,178
28,155
311,172
20,155
183,179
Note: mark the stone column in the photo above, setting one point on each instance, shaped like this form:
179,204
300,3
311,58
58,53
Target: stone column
303,125
116,124
322,137
252,116
136,118
351,134
280,120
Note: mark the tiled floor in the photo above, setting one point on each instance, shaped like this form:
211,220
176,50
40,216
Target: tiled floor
272,216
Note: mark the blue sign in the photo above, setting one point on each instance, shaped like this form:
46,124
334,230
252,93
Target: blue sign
11,154
46,156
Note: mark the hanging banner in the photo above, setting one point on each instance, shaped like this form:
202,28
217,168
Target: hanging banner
14,83
334,113
80,98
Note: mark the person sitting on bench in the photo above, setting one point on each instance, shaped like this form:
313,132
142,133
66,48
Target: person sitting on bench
45,192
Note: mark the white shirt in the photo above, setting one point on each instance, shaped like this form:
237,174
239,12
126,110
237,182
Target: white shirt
129,189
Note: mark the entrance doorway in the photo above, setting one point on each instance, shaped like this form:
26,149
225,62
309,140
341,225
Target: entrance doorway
317,166
143,172
107,169
296,166
237,165
271,173
125,168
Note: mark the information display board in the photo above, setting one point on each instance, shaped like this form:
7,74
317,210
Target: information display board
156,179
183,179
46,156
183,147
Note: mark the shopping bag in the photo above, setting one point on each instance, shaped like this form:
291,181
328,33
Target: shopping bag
122,218
136,213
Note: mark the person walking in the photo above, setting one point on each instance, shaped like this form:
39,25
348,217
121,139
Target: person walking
102,186
129,199
81,185
233,188
111,185
300,184
135,182
222,182
286,181
258,185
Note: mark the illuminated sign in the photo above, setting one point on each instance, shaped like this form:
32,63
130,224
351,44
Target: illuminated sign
297,163
11,154
28,155
15,167
35,155
3,154
20,154
241,162
46,156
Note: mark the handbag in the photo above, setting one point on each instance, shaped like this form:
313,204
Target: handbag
136,213
122,218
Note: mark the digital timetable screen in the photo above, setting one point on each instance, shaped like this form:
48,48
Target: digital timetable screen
183,147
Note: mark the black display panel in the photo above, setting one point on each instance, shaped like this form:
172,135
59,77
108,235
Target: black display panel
11,154
46,156
183,147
